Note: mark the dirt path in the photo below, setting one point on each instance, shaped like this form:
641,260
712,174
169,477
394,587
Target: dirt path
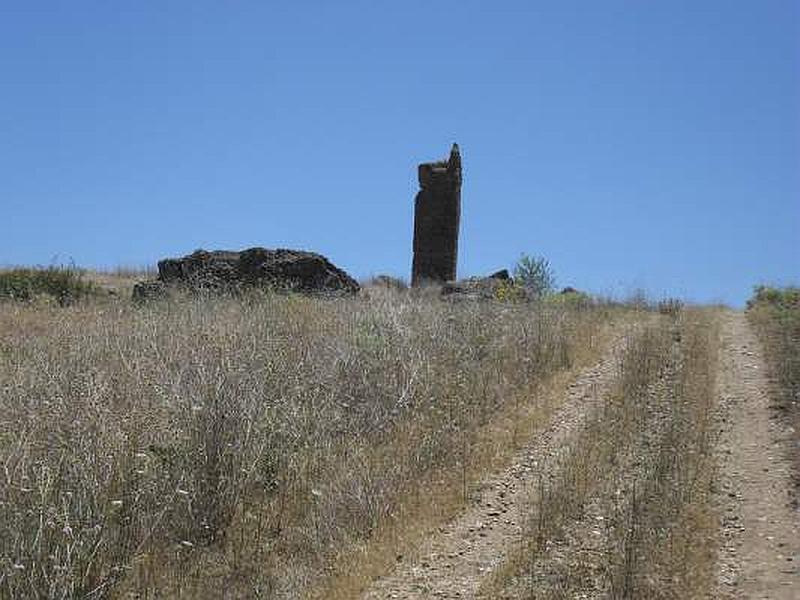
459,555
760,557
760,553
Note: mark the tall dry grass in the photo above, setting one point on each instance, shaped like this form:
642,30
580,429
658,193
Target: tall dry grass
775,314
663,538
208,447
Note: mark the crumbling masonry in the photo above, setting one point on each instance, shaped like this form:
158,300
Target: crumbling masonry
437,213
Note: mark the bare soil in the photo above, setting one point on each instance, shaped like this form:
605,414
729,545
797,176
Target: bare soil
760,553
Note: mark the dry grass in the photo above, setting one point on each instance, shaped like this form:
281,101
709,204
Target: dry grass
120,280
664,541
626,513
775,313
250,445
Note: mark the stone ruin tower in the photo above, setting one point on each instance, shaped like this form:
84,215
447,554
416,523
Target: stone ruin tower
437,213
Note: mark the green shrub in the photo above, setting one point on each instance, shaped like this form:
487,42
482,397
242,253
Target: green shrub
785,298
535,274
62,283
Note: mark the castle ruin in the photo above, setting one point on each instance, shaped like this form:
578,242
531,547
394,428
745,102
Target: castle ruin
437,213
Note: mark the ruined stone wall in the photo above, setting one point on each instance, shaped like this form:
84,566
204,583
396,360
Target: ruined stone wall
437,215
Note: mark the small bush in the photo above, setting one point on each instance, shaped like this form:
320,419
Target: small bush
62,283
535,274
781,298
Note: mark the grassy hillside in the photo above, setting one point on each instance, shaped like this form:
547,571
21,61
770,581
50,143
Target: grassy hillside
266,445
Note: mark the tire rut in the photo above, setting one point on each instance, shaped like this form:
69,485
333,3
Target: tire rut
580,554
760,553
459,555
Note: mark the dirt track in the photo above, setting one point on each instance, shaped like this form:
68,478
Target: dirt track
759,552
460,554
760,557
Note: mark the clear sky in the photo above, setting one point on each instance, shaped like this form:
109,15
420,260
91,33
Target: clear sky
635,144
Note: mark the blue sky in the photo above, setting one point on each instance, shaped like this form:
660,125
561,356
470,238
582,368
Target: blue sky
649,145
